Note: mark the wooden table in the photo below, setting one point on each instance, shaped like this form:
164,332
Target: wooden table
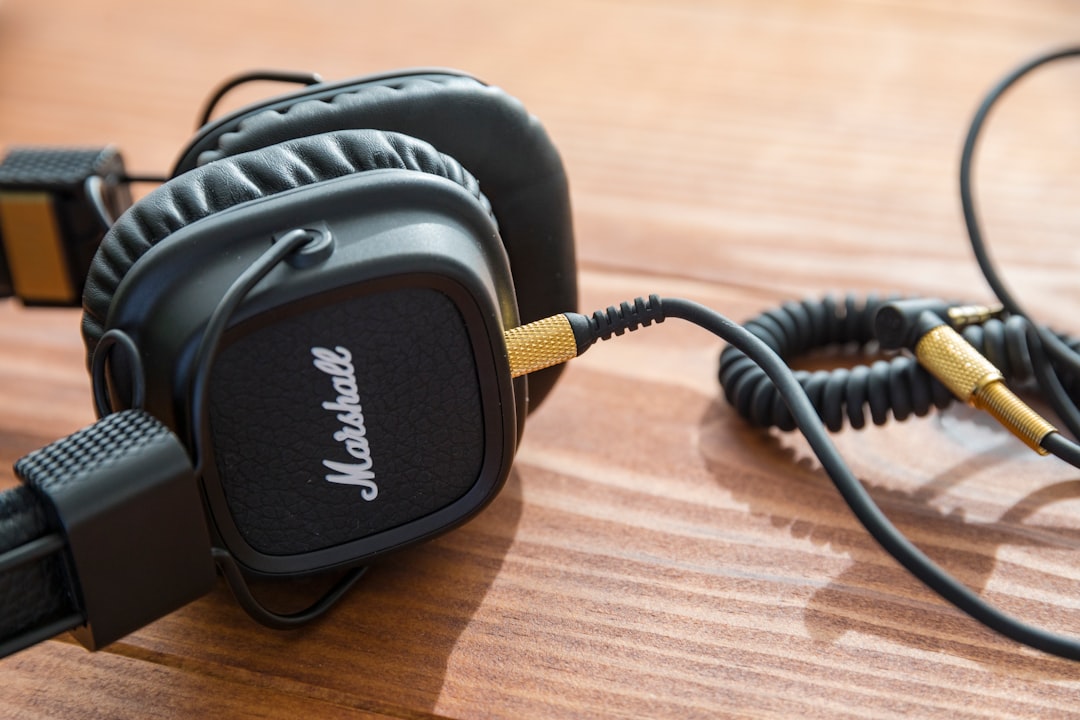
651,555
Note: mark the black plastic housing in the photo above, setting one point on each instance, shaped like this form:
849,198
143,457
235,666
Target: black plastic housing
415,289
123,493
900,323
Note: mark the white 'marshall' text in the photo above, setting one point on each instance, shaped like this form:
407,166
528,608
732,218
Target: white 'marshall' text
337,363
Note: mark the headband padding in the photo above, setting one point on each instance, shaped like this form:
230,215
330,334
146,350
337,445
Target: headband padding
231,181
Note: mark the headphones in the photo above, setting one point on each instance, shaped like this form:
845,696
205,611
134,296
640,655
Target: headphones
296,345
318,342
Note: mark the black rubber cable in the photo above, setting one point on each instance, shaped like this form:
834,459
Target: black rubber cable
897,386
282,76
761,387
806,419
1065,357
1022,349
207,350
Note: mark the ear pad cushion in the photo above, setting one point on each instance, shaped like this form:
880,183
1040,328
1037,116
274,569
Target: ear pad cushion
245,177
487,131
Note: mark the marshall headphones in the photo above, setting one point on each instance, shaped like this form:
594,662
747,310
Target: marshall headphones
318,341
308,317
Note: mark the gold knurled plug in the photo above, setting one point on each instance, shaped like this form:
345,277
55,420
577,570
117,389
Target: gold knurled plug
540,344
561,338
975,380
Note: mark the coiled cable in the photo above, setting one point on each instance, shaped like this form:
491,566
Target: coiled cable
758,382
895,385
1026,352
562,337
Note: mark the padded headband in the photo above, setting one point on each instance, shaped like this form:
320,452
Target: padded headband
246,177
487,131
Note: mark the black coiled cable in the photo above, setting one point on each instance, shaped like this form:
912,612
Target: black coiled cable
895,386
1025,352
899,385
800,326
757,380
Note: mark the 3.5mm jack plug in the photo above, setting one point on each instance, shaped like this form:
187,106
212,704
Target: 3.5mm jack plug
961,368
560,338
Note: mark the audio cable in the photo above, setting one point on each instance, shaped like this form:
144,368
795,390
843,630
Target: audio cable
958,365
933,352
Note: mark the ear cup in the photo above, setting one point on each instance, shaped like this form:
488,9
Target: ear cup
248,176
487,131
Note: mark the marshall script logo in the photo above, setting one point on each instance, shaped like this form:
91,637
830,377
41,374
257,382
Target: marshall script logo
337,363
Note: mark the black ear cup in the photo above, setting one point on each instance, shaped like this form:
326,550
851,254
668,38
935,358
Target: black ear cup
338,407
250,176
313,313
490,133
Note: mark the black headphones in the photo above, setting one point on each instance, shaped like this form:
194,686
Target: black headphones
309,348
297,347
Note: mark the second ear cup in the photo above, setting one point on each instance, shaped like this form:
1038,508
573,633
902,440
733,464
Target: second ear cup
489,132
231,181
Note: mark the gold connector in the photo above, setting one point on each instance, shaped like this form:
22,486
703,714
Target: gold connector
960,316
540,344
975,380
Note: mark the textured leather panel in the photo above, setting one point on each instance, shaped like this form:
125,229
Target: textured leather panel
33,594
489,132
412,373
246,177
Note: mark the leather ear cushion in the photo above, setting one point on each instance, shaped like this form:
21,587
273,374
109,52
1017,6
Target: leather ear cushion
242,178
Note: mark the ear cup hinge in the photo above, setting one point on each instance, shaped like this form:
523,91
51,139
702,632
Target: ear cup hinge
123,495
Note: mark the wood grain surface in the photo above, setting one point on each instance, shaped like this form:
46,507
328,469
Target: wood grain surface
651,556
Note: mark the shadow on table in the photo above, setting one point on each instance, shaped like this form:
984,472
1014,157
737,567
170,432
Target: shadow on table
849,601
384,648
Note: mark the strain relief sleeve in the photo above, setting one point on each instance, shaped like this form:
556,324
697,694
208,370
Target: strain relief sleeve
615,320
